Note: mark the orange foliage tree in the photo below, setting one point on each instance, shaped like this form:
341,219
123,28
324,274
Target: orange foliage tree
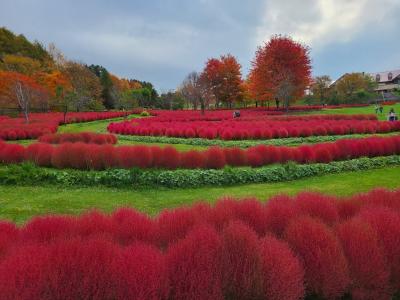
281,71
56,83
224,79
21,90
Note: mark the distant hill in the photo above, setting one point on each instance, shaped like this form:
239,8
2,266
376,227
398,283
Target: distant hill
11,43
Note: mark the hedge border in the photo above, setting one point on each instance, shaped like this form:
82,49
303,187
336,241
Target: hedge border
28,174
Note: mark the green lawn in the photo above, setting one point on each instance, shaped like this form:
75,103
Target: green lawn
95,126
359,110
21,203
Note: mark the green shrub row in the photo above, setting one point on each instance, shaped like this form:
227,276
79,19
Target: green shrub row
28,174
242,143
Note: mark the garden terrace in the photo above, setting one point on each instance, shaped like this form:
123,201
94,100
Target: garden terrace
310,245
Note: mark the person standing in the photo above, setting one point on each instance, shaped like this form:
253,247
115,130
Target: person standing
392,115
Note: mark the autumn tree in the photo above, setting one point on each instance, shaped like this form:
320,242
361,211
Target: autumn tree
354,87
107,85
320,88
22,90
246,95
86,87
224,79
281,71
20,64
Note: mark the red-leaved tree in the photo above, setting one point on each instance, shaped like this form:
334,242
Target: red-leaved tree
223,79
281,71
21,90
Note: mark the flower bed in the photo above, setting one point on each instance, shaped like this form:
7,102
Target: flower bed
98,157
82,137
310,245
252,125
46,123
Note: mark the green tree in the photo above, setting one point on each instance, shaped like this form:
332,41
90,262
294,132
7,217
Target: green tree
107,94
320,89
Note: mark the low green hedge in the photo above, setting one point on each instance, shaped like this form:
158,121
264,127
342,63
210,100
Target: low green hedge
28,174
242,143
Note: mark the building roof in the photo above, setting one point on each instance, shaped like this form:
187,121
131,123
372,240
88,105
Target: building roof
384,76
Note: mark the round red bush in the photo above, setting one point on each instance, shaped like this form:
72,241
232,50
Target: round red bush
283,274
326,271
194,266
215,158
369,274
241,262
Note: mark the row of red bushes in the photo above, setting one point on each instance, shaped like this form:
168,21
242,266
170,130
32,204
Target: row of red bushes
245,114
245,130
98,157
26,131
289,248
82,137
46,123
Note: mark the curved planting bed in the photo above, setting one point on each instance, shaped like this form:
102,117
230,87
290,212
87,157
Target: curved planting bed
253,125
46,123
91,156
310,245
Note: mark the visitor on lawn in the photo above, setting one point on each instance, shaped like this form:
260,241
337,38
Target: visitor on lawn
392,115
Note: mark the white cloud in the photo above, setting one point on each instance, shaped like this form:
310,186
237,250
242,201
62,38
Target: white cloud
161,43
320,22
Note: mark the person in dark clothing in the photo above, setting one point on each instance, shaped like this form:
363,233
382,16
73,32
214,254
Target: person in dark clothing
236,114
392,115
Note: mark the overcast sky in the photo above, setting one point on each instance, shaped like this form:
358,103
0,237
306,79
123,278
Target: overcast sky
162,40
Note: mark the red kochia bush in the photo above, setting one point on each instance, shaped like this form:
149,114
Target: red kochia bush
98,157
48,229
174,224
11,153
326,271
79,269
249,211
141,273
215,158
138,156
241,263
224,251
317,206
387,224
369,274
22,273
130,226
192,159
194,266
278,213
83,137
170,158
283,274
9,234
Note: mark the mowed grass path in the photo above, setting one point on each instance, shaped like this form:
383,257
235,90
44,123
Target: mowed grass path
19,203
